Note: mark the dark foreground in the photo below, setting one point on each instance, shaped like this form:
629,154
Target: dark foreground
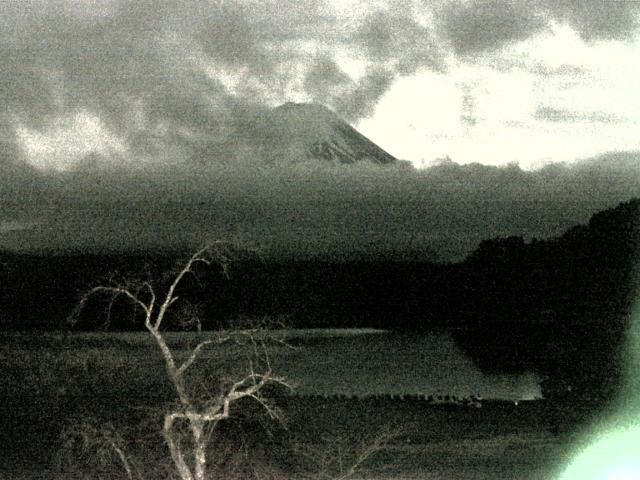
409,439
66,401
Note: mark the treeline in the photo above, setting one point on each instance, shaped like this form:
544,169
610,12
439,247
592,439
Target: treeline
41,291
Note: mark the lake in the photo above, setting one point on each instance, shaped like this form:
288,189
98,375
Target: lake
360,362
352,362
119,377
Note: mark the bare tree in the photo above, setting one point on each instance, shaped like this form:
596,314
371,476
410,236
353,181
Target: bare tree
198,415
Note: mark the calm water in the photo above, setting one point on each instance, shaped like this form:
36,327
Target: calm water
328,362
367,362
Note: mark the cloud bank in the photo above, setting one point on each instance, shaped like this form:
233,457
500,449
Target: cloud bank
311,208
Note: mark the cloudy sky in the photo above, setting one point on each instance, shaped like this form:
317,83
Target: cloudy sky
492,81
103,98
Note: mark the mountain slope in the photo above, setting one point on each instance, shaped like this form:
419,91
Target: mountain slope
302,131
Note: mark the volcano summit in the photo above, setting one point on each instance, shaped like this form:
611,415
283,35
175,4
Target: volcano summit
307,131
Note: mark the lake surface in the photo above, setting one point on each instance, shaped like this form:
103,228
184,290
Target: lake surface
373,362
353,362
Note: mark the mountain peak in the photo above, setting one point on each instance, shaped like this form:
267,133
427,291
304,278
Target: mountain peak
303,131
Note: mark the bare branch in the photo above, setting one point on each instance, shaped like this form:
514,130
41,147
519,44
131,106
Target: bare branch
249,386
170,298
194,355
152,293
117,291
123,460
366,452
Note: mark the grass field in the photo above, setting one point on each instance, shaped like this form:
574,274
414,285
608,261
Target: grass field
53,380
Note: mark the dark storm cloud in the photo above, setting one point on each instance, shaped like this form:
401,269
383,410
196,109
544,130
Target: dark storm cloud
148,60
362,99
476,26
483,25
393,43
352,100
17,177
108,68
149,70
597,19
396,39
326,82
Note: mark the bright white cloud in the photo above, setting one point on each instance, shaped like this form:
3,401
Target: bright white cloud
68,141
426,104
553,97
557,46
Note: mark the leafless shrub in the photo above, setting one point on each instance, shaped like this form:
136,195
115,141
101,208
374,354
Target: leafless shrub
343,456
86,443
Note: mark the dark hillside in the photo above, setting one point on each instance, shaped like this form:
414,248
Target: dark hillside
559,307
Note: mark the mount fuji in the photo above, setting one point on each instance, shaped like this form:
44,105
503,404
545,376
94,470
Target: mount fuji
296,132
